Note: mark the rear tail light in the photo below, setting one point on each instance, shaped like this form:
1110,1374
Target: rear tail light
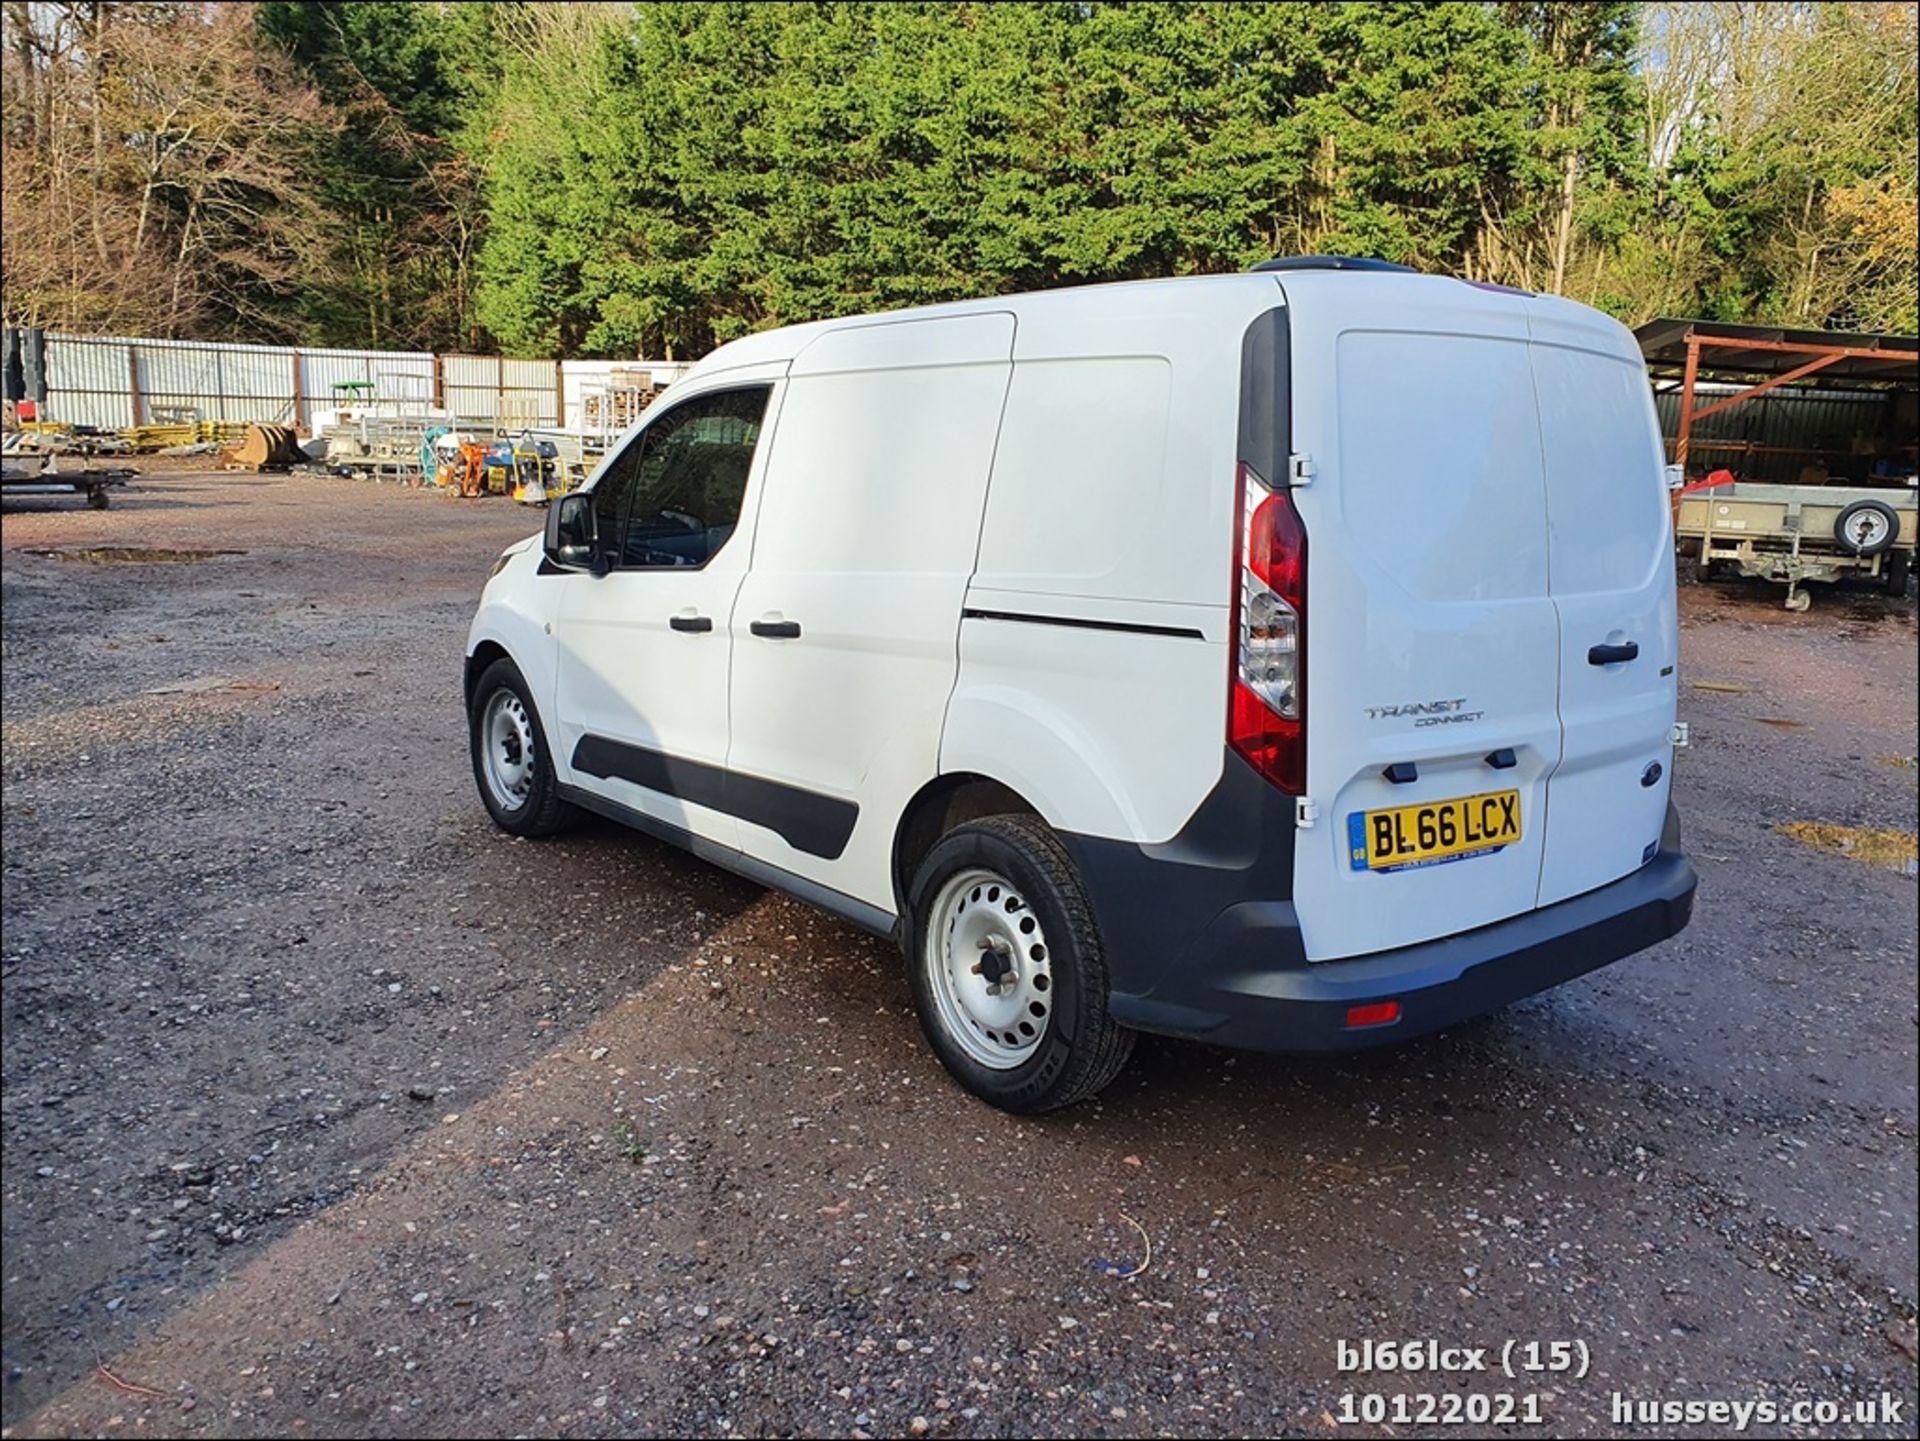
1267,706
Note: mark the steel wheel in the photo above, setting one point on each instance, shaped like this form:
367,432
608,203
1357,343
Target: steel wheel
987,968
1867,532
507,735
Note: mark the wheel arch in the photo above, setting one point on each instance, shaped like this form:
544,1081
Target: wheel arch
937,807
478,659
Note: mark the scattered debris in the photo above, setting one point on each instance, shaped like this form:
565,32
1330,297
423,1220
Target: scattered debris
147,1393
1877,846
1121,1272
1724,687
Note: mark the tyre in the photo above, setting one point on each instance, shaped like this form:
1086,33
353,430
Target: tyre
1867,527
511,762
1898,567
97,499
1006,968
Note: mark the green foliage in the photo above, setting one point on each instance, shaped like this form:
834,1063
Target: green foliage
405,79
708,169
561,179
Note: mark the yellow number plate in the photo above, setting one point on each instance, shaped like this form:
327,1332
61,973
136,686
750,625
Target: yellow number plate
1434,832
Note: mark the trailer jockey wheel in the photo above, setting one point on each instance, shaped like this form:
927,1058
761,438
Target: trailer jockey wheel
1867,527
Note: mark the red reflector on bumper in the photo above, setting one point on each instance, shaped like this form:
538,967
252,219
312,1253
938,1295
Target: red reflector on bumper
1375,1013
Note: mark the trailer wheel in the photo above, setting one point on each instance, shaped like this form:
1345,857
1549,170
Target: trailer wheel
1899,566
97,498
1867,527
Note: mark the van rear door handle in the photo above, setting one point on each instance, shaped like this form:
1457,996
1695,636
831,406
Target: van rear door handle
776,629
696,623
1613,654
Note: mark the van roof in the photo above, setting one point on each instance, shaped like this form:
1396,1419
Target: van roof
1170,296
788,341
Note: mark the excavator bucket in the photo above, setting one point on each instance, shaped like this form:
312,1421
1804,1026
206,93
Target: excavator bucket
266,447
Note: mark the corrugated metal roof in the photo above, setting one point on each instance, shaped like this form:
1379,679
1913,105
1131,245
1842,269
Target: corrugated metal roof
1664,343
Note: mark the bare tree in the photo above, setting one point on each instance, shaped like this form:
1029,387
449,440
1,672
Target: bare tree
152,159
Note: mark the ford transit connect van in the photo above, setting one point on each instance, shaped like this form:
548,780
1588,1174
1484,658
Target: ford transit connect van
1282,659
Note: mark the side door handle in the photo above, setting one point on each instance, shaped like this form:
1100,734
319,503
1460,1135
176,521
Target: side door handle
776,629
1613,654
696,623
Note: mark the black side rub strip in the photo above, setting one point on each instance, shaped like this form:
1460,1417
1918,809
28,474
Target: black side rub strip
859,913
806,820
1180,632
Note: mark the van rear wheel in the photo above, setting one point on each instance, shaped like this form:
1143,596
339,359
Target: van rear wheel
1006,968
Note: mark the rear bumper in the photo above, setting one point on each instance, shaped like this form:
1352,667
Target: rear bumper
1245,985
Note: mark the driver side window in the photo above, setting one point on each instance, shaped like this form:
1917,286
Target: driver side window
673,497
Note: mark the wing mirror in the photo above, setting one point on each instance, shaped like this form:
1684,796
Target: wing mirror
572,534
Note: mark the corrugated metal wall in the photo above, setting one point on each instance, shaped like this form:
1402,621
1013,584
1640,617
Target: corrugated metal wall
404,375
489,387
102,381
1773,437
89,381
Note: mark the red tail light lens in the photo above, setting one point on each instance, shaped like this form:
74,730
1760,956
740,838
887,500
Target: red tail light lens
1267,705
1374,1013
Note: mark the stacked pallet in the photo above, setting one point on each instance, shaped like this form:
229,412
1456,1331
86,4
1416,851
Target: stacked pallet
629,390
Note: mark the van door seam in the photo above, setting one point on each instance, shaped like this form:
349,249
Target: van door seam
979,533
1559,623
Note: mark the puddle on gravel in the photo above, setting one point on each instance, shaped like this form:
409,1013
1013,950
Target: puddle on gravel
1895,850
131,555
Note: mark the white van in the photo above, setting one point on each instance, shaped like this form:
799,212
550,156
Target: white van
1282,659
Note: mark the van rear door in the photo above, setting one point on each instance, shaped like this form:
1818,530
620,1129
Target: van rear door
1610,559
1432,642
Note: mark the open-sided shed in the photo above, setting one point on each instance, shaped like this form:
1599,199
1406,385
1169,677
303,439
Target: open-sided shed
1814,366
1836,412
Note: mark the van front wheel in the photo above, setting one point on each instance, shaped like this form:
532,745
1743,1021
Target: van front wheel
511,763
1006,968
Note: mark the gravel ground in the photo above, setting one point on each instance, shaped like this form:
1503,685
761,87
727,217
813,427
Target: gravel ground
328,1108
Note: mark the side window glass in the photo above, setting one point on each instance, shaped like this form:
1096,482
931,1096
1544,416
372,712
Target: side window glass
611,493
686,490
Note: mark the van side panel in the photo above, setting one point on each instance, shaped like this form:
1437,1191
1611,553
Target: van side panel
1112,733
866,535
1093,654
1081,461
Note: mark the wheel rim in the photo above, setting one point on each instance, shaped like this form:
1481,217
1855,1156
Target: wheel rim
989,969
506,737
1866,530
